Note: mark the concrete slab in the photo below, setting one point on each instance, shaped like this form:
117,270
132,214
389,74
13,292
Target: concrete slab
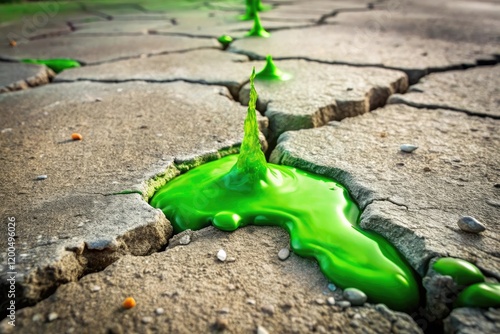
91,49
475,91
89,209
214,67
16,76
414,200
344,45
473,320
116,27
319,93
186,289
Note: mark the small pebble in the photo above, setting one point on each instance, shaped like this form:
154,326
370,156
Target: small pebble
332,287
41,177
344,304
221,255
408,148
95,288
268,308
470,224
37,317
354,324
330,301
76,136
357,316
355,296
185,240
427,169
159,311
283,254
320,301
221,323
53,316
231,259
98,99
147,320
251,301
261,330
224,310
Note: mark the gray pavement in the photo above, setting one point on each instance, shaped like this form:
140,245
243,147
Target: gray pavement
157,95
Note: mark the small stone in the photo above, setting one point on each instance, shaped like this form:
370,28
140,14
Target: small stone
408,148
354,324
147,320
330,301
332,287
159,311
357,316
344,304
320,301
98,99
231,259
224,310
355,296
261,330
221,255
95,288
37,317
470,224
53,316
41,177
185,239
221,323
427,169
268,308
251,301
283,254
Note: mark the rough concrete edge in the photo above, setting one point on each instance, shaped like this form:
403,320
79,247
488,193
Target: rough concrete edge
43,77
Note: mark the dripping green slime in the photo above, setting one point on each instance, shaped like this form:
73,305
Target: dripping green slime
317,212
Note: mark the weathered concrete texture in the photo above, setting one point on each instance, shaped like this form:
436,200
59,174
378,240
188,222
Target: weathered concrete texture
204,66
414,200
132,134
118,27
410,53
37,26
319,93
199,294
17,76
475,91
92,49
473,320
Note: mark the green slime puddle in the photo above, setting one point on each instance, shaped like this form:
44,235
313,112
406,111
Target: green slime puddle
317,212
56,65
272,72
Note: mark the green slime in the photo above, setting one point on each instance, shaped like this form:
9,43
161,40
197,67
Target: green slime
462,272
317,212
271,72
479,295
257,29
57,65
225,40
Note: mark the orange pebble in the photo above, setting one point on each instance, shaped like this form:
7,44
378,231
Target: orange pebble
12,43
128,303
76,136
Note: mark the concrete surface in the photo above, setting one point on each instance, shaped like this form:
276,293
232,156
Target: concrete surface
19,76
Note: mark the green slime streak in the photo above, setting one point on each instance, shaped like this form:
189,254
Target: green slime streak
479,295
462,272
225,40
317,212
271,72
257,29
57,65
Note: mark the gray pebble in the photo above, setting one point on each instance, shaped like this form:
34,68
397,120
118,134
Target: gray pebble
261,330
330,300
355,296
95,288
224,310
470,224
251,301
320,301
408,148
354,324
268,308
185,239
283,254
159,311
37,317
147,320
221,255
344,304
332,287
41,177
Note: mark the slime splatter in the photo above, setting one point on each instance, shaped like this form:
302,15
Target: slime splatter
57,65
479,295
225,40
257,29
271,72
462,272
317,212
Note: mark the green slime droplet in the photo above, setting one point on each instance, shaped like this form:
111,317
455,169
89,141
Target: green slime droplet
225,40
250,9
271,72
57,65
257,29
462,272
317,212
479,295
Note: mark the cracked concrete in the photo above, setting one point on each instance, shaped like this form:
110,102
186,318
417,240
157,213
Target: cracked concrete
199,293
474,91
69,214
414,200
22,76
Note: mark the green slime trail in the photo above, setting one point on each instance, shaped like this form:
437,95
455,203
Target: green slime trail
57,65
462,272
257,29
317,212
272,72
